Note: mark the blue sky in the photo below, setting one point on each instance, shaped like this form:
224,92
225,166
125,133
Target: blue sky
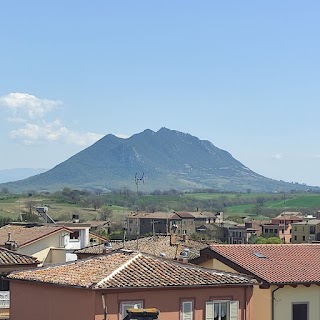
244,75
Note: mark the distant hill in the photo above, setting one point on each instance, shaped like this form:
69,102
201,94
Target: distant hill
7,175
166,159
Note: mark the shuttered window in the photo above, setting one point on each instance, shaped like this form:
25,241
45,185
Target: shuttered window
129,304
187,310
222,310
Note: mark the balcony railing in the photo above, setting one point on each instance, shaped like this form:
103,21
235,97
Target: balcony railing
4,299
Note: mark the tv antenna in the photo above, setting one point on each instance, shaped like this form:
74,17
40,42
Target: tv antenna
138,179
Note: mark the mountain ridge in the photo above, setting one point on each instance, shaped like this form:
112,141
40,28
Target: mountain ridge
167,159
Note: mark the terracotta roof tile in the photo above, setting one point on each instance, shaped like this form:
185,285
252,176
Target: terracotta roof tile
23,235
153,245
130,270
278,263
8,257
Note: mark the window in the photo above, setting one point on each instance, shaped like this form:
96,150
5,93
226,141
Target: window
295,238
312,230
4,284
186,310
75,235
222,310
124,305
300,311
303,238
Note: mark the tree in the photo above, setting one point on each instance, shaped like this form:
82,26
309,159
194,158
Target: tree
5,190
271,240
29,205
96,202
27,213
105,213
260,201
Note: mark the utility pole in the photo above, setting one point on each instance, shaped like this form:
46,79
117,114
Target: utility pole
138,233
154,235
138,179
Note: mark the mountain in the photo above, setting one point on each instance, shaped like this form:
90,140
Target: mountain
151,160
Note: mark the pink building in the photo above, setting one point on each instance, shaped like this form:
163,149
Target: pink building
281,226
104,287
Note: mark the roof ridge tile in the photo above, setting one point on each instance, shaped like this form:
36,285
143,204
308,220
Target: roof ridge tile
116,271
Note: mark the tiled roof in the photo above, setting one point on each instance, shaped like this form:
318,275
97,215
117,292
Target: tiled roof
308,222
170,215
290,213
183,215
277,264
296,218
153,245
151,215
23,235
130,270
8,257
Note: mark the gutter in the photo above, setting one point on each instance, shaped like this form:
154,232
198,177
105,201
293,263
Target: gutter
105,312
272,302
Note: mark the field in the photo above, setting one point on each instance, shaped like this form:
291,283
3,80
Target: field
11,208
259,205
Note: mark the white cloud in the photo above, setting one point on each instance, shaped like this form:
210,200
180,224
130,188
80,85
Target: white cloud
122,135
277,156
29,115
24,104
16,120
33,133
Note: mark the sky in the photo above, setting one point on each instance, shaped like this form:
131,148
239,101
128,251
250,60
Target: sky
244,75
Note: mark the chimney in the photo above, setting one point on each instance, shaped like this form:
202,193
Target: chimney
10,245
179,250
75,218
185,238
172,239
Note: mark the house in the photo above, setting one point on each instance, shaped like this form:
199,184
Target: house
96,239
169,246
240,233
288,276
141,223
204,217
104,287
281,226
47,243
79,237
306,231
11,261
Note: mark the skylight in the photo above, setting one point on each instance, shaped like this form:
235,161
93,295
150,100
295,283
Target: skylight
259,255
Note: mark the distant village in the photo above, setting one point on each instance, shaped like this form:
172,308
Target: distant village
162,268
